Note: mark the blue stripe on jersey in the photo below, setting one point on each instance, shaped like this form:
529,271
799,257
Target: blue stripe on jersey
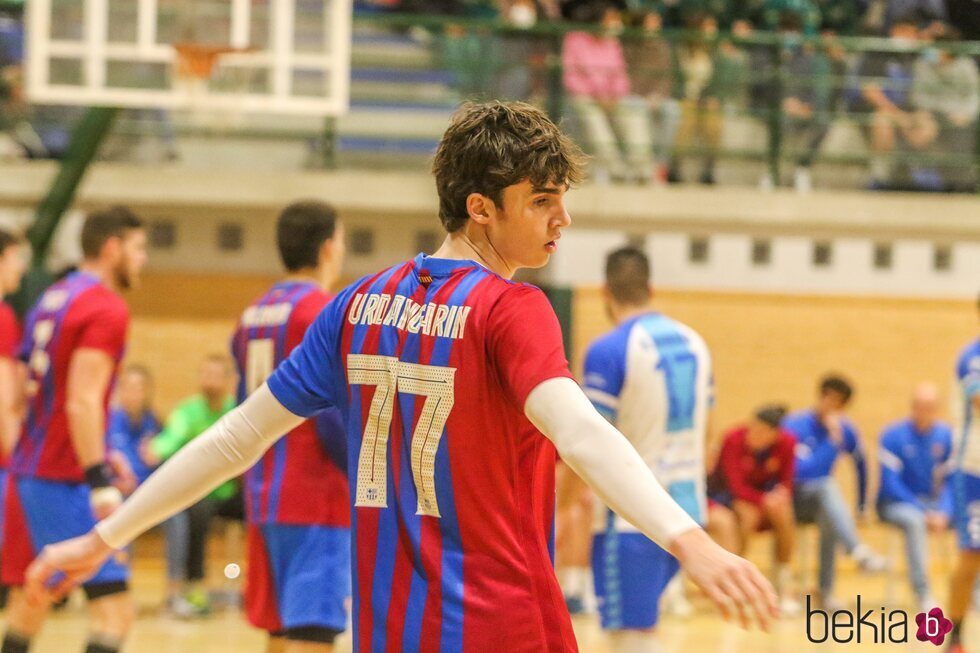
253,479
294,291
384,562
452,561
680,368
37,425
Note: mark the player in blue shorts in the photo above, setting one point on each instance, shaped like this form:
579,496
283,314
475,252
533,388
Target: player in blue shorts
965,486
296,498
60,481
651,377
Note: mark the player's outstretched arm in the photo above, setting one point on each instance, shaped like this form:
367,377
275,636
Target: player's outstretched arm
222,452
605,459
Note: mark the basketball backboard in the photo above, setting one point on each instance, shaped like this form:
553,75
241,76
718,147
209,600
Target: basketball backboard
269,56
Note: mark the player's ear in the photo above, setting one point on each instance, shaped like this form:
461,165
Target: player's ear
112,248
480,208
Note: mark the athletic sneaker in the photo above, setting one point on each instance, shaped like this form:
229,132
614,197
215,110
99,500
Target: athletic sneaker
868,561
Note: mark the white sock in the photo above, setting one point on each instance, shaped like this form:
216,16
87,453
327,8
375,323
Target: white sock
574,581
633,641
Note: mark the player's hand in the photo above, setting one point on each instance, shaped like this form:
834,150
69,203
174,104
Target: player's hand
835,428
735,585
62,566
125,479
147,453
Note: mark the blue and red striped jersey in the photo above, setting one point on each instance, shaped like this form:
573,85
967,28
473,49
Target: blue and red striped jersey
78,312
9,344
431,362
302,479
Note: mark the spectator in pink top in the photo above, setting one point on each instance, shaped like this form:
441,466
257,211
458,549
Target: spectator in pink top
615,123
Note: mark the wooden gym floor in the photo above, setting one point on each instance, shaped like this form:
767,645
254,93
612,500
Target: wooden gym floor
227,631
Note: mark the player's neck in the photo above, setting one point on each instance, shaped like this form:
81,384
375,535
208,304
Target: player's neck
463,246
623,313
321,278
98,271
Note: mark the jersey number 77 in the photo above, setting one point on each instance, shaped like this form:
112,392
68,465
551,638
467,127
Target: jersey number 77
390,376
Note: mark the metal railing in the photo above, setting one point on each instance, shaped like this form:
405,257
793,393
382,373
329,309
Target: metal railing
757,105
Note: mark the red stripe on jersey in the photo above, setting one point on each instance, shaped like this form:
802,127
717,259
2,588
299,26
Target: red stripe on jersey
514,566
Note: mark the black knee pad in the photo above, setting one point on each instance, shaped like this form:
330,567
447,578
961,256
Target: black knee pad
94,591
316,634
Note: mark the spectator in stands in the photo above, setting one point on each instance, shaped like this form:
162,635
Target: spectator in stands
652,75
701,118
806,12
841,17
187,532
132,420
751,490
965,14
929,15
914,455
947,87
615,123
885,80
806,95
821,433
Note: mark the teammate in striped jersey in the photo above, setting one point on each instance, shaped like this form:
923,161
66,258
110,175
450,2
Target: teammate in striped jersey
456,395
296,497
12,266
61,481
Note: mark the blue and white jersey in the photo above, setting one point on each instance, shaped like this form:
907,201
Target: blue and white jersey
965,412
651,376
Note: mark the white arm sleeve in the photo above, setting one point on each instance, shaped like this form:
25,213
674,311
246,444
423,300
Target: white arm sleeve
224,451
605,459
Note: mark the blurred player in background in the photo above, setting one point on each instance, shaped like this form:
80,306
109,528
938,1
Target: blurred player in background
60,479
651,377
456,392
12,267
965,485
822,432
187,532
751,490
296,498
132,421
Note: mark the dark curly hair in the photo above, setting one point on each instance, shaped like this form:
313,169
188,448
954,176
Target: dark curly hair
490,146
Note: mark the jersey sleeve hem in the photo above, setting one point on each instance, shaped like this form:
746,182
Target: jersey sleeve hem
290,403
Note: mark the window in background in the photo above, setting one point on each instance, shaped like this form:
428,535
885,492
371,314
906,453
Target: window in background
231,237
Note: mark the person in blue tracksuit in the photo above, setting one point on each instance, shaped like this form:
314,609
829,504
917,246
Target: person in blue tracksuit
914,454
822,432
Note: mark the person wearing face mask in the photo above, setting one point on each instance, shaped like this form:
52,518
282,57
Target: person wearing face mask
947,86
652,74
889,117
805,94
700,83
615,122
